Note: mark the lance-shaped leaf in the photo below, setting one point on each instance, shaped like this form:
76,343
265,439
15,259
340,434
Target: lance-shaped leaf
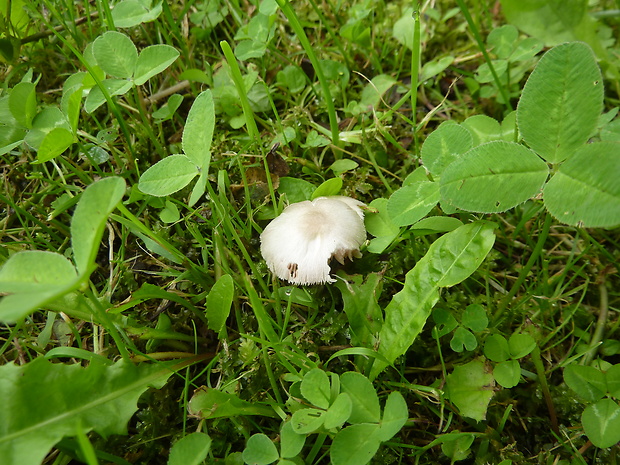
449,260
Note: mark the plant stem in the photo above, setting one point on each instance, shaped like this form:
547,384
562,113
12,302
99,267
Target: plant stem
599,331
415,71
542,378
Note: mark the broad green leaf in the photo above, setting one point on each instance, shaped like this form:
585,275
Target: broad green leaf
130,13
493,177
91,213
449,260
379,224
198,131
260,450
475,318
601,422
167,110
168,176
46,120
612,376
435,224
330,187
54,143
483,129
507,373
445,145
315,388
585,190
470,388
434,67
521,345
338,412
496,348
355,445
363,396
307,420
445,322
374,90
219,302
395,415
459,448
411,203
212,403
190,450
295,189
114,87
11,137
343,165
586,381
152,61
23,103
34,271
561,102
502,40
291,443
360,305
51,401
462,340
116,54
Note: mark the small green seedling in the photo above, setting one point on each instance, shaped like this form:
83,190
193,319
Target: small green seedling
506,353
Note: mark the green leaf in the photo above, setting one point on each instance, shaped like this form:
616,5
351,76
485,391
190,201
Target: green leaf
470,388
219,302
168,176
475,318
561,101
291,443
198,131
496,348
315,388
23,103
343,165
585,190
50,401
46,120
338,412
361,307
380,225
411,203
507,373
130,13
463,340
449,260
363,396
521,345
612,376
307,420
54,143
213,403
330,187
91,213
34,271
601,422
114,87
483,129
355,445
458,448
152,61
502,40
115,54
295,189
260,450
445,145
190,450
586,381
395,415
493,177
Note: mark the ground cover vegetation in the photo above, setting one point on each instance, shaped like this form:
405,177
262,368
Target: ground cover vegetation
146,145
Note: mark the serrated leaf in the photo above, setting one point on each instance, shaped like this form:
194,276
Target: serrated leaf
91,213
219,302
115,54
493,177
50,401
585,190
601,422
198,131
190,450
168,176
449,260
411,203
561,101
470,388
152,61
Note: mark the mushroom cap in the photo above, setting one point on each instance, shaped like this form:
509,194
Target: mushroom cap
298,244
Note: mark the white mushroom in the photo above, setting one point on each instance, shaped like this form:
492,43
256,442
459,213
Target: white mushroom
299,243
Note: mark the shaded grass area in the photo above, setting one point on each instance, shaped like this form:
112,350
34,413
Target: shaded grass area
160,258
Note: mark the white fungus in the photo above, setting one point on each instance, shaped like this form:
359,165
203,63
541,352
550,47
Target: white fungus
299,243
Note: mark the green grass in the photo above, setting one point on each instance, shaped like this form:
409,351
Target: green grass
152,276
